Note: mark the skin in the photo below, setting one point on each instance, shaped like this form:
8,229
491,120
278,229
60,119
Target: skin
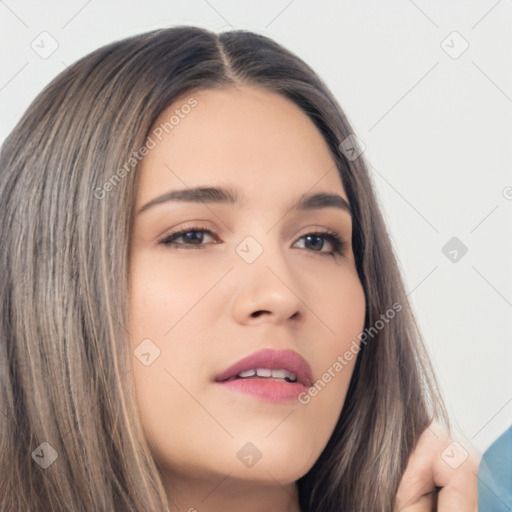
312,302
430,466
199,304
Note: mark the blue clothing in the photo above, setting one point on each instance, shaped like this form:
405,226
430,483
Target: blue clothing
495,476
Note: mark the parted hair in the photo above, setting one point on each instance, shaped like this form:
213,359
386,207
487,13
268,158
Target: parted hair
65,362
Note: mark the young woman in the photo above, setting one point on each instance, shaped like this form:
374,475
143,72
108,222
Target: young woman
201,309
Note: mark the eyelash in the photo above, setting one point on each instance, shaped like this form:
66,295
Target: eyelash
339,244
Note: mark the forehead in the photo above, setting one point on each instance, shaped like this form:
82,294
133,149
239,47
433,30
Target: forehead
247,137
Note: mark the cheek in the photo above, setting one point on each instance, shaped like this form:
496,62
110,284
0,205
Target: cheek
158,321
161,294
172,303
340,309
339,304
166,316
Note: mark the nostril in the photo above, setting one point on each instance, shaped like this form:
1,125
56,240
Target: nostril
256,314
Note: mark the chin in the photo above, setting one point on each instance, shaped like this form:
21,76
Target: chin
284,464
282,474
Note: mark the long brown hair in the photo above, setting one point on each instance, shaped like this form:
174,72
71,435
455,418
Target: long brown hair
65,363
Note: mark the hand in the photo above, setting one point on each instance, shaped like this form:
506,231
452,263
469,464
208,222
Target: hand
441,476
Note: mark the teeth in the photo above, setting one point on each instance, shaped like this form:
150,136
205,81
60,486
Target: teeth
265,372
247,373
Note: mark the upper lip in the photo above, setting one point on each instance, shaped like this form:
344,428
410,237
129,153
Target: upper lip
273,360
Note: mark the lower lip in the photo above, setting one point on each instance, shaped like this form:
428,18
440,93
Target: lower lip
269,390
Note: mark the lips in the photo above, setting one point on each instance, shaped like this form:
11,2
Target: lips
272,360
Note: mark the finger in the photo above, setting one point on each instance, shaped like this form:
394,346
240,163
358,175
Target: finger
455,470
460,494
424,503
417,484
440,462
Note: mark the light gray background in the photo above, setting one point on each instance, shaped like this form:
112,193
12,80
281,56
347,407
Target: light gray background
437,128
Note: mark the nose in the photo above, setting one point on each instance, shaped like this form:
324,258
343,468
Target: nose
268,291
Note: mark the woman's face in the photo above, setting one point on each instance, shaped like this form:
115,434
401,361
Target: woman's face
245,277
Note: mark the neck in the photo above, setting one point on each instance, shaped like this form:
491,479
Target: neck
230,493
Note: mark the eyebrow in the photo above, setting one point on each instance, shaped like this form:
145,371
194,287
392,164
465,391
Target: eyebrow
222,195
